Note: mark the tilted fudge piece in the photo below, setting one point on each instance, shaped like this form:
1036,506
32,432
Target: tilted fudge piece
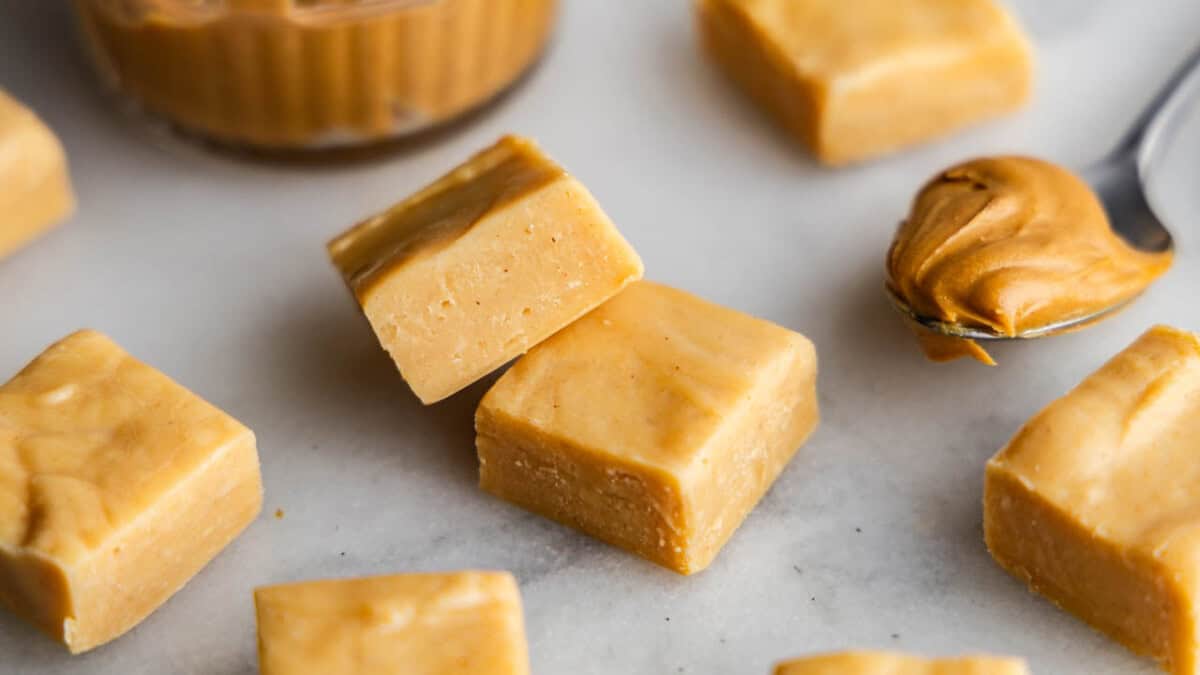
885,663
1096,502
477,268
35,191
117,485
463,623
655,423
853,80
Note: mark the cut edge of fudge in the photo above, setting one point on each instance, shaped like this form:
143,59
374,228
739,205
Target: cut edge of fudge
568,256
605,264
1041,523
555,464
1067,561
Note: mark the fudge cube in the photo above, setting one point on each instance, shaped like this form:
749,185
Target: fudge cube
480,266
35,192
464,623
654,423
885,663
853,80
117,485
1095,503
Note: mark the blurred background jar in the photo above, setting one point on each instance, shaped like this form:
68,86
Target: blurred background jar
313,74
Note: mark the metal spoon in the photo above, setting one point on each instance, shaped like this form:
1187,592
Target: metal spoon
1119,180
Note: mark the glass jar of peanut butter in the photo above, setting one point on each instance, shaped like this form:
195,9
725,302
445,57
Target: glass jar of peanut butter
313,74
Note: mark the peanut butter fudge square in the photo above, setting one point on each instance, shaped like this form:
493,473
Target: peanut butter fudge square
1096,501
475,269
854,80
655,423
117,485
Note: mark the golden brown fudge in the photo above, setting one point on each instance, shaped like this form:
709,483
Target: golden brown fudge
465,623
35,192
480,266
1096,502
853,80
884,663
654,423
117,485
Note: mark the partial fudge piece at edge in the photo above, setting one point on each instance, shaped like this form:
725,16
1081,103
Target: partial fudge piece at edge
35,189
117,485
889,663
1095,503
488,261
417,624
654,423
856,80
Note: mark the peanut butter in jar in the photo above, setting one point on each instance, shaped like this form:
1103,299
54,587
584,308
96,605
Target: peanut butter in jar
311,74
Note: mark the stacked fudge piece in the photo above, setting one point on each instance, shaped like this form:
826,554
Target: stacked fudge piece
641,414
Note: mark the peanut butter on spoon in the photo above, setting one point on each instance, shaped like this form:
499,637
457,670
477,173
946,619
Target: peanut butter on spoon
1010,244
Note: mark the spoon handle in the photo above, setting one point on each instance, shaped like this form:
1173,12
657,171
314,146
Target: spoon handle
1133,138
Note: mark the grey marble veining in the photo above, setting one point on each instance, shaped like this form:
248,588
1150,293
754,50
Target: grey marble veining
213,270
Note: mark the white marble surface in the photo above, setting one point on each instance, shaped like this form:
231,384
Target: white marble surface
213,270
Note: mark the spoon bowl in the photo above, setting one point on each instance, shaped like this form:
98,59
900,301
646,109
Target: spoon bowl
1119,181
959,330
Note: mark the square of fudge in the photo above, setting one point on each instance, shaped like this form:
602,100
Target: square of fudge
654,423
475,269
117,485
1095,503
888,663
418,624
854,80
35,191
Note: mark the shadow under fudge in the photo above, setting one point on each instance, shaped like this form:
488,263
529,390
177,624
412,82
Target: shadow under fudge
20,642
325,357
688,74
871,338
321,355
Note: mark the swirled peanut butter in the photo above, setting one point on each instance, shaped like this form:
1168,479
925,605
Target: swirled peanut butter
1011,244
305,73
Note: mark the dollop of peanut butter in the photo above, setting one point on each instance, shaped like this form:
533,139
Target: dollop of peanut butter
1011,244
